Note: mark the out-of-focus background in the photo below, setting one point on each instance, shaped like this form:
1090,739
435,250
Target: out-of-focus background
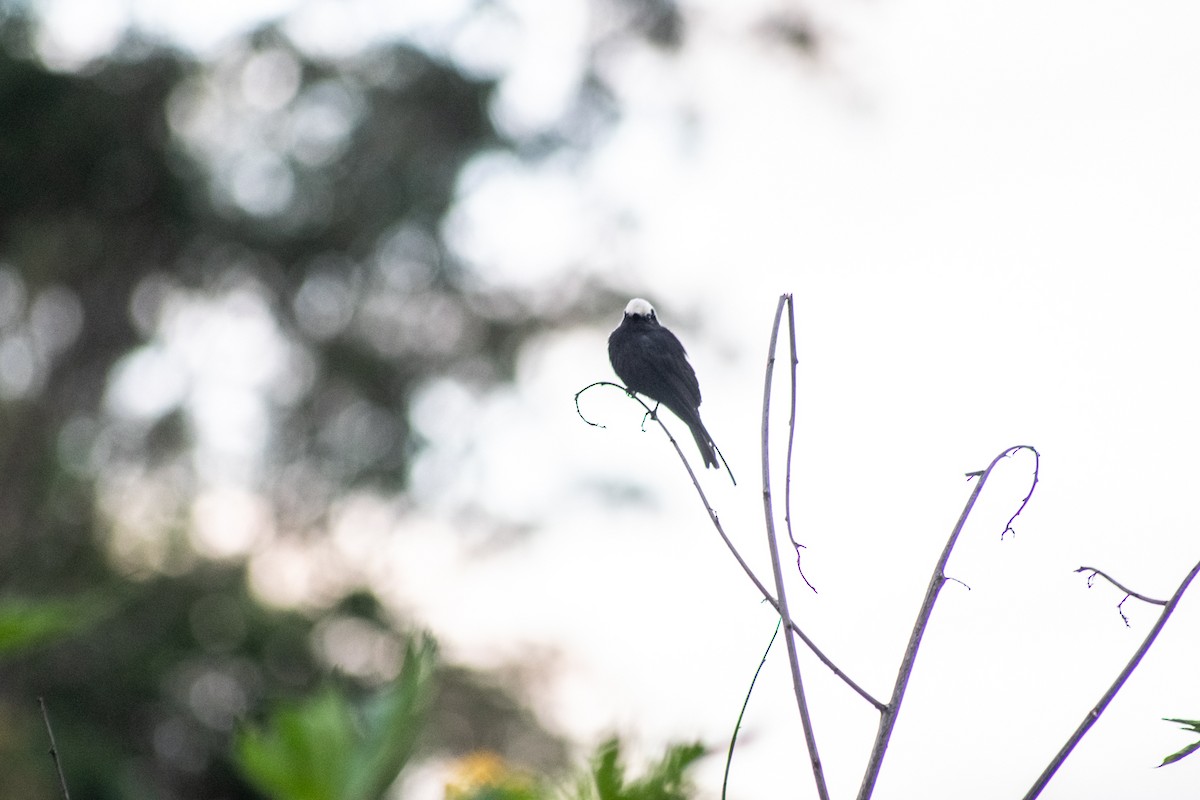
295,295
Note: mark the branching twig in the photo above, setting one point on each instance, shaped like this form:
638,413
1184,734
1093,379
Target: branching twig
62,779
887,718
1094,714
1128,592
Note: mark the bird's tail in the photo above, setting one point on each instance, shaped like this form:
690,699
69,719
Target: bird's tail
708,449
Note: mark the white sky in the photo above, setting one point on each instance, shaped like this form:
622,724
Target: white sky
989,216
989,220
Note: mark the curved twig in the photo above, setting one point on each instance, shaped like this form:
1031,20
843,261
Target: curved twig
602,383
651,413
1128,592
742,714
1037,463
1094,714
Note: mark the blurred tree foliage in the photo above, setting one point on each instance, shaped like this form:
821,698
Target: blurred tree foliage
232,273
301,198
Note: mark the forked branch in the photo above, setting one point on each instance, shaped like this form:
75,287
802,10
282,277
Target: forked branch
1128,592
1094,714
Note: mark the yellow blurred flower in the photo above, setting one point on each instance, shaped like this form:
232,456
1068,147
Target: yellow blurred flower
483,770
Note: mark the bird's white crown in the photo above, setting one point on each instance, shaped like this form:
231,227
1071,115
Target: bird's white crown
639,308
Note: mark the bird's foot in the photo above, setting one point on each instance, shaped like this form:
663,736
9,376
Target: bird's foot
649,415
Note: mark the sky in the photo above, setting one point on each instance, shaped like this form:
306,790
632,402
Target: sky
987,215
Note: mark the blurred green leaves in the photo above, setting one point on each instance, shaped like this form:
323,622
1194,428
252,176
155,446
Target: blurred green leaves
484,776
27,623
330,748
666,779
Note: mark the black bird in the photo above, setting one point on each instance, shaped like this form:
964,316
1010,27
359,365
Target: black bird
651,361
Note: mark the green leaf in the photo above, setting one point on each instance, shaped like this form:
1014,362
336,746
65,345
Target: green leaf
665,780
303,752
393,718
1191,725
608,771
326,748
1187,751
27,623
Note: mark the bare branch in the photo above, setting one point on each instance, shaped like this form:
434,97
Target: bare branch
651,413
787,490
62,779
1090,718
1128,592
793,658
601,383
887,719
758,584
824,659
1121,611
712,515
1037,462
963,584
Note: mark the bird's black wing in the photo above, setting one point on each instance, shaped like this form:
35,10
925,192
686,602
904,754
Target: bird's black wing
668,358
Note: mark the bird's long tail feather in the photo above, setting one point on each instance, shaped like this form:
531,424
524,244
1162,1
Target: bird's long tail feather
708,448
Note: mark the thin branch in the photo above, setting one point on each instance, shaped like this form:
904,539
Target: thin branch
824,659
758,584
793,657
1090,718
887,719
600,383
651,413
1121,611
62,779
741,714
1128,592
1037,464
787,484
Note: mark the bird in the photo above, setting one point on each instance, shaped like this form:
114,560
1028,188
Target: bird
650,360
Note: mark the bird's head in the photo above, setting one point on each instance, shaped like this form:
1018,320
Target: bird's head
640,310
